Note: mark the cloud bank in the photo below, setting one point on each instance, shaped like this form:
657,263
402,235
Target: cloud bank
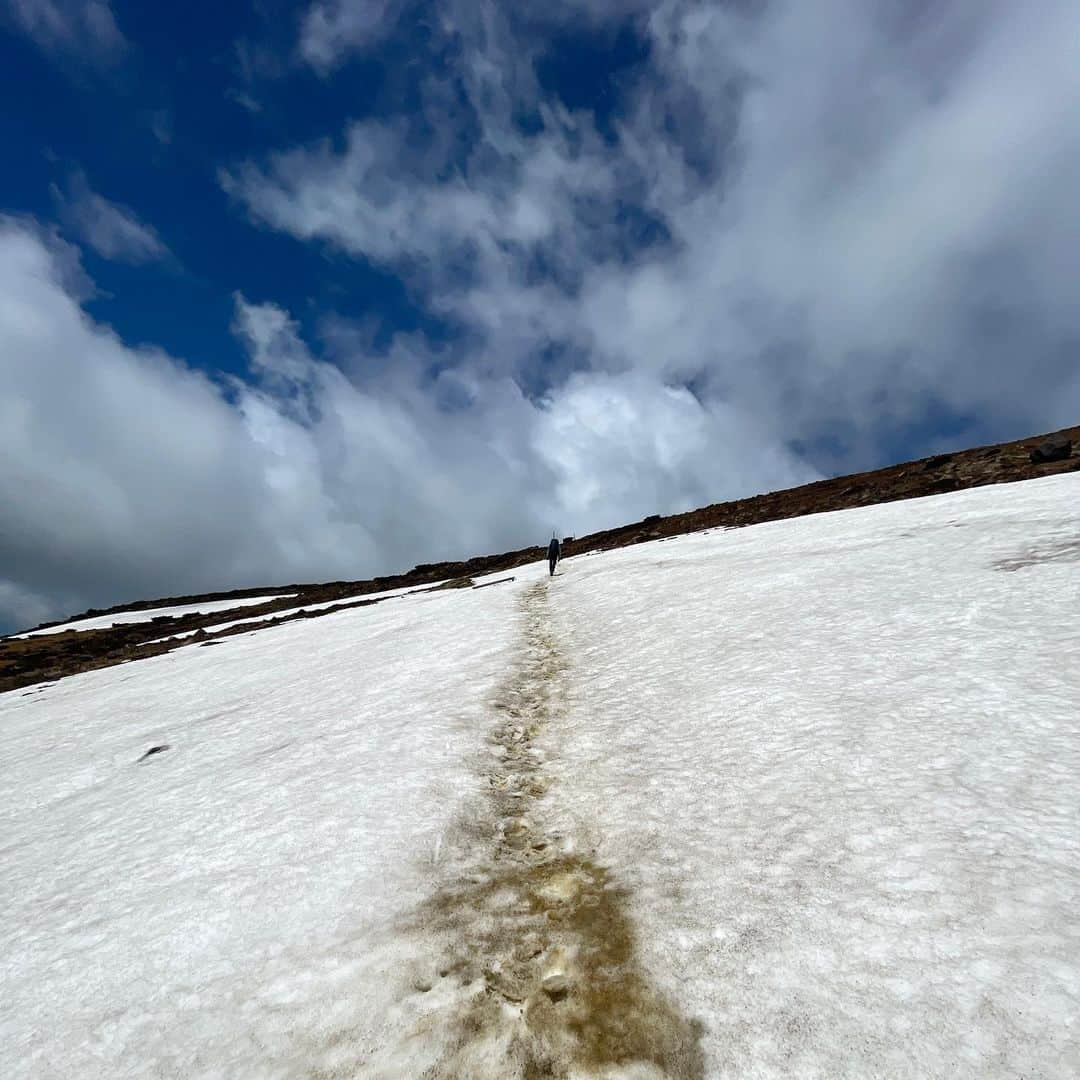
866,213
789,239
128,474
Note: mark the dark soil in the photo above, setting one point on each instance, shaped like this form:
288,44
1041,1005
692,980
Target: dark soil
53,656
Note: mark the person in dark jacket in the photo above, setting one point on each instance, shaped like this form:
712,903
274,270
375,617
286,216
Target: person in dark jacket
553,554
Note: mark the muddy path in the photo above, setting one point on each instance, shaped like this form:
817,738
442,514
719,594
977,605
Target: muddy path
538,938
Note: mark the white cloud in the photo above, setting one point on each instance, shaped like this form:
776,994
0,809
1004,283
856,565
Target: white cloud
896,194
79,28
871,210
375,199
128,475
112,230
332,28
244,100
863,216
630,441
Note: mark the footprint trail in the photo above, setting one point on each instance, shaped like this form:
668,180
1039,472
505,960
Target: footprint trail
540,942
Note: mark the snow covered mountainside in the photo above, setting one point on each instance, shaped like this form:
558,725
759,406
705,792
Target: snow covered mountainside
124,618
797,799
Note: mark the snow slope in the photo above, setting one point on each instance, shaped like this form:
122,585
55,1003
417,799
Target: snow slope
322,606
103,622
830,766
200,913
838,761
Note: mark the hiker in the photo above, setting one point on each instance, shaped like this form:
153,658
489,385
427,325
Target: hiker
553,555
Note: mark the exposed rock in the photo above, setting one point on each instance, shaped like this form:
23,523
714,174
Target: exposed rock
556,985
487,584
155,750
455,583
1056,448
937,461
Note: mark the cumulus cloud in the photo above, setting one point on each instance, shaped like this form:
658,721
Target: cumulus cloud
800,233
112,230
93,434
630,441
75,28
127,474
861,216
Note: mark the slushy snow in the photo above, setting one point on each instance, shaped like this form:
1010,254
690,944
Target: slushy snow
834,762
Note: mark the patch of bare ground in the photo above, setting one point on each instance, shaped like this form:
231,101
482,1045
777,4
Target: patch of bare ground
542,948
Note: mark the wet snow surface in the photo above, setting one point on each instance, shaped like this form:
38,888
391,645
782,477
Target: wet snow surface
793,800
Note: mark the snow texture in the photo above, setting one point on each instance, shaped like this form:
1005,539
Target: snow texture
322,606
194,912
838,760
834,763
103,622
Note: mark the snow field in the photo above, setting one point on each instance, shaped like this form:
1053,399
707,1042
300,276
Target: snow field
222,908
103,622
834,761
837,759
218,627
388,594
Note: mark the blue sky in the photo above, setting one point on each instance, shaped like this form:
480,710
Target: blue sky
320,290
151,126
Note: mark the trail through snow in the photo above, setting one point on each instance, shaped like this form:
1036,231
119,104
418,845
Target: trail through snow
792,800
535,934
